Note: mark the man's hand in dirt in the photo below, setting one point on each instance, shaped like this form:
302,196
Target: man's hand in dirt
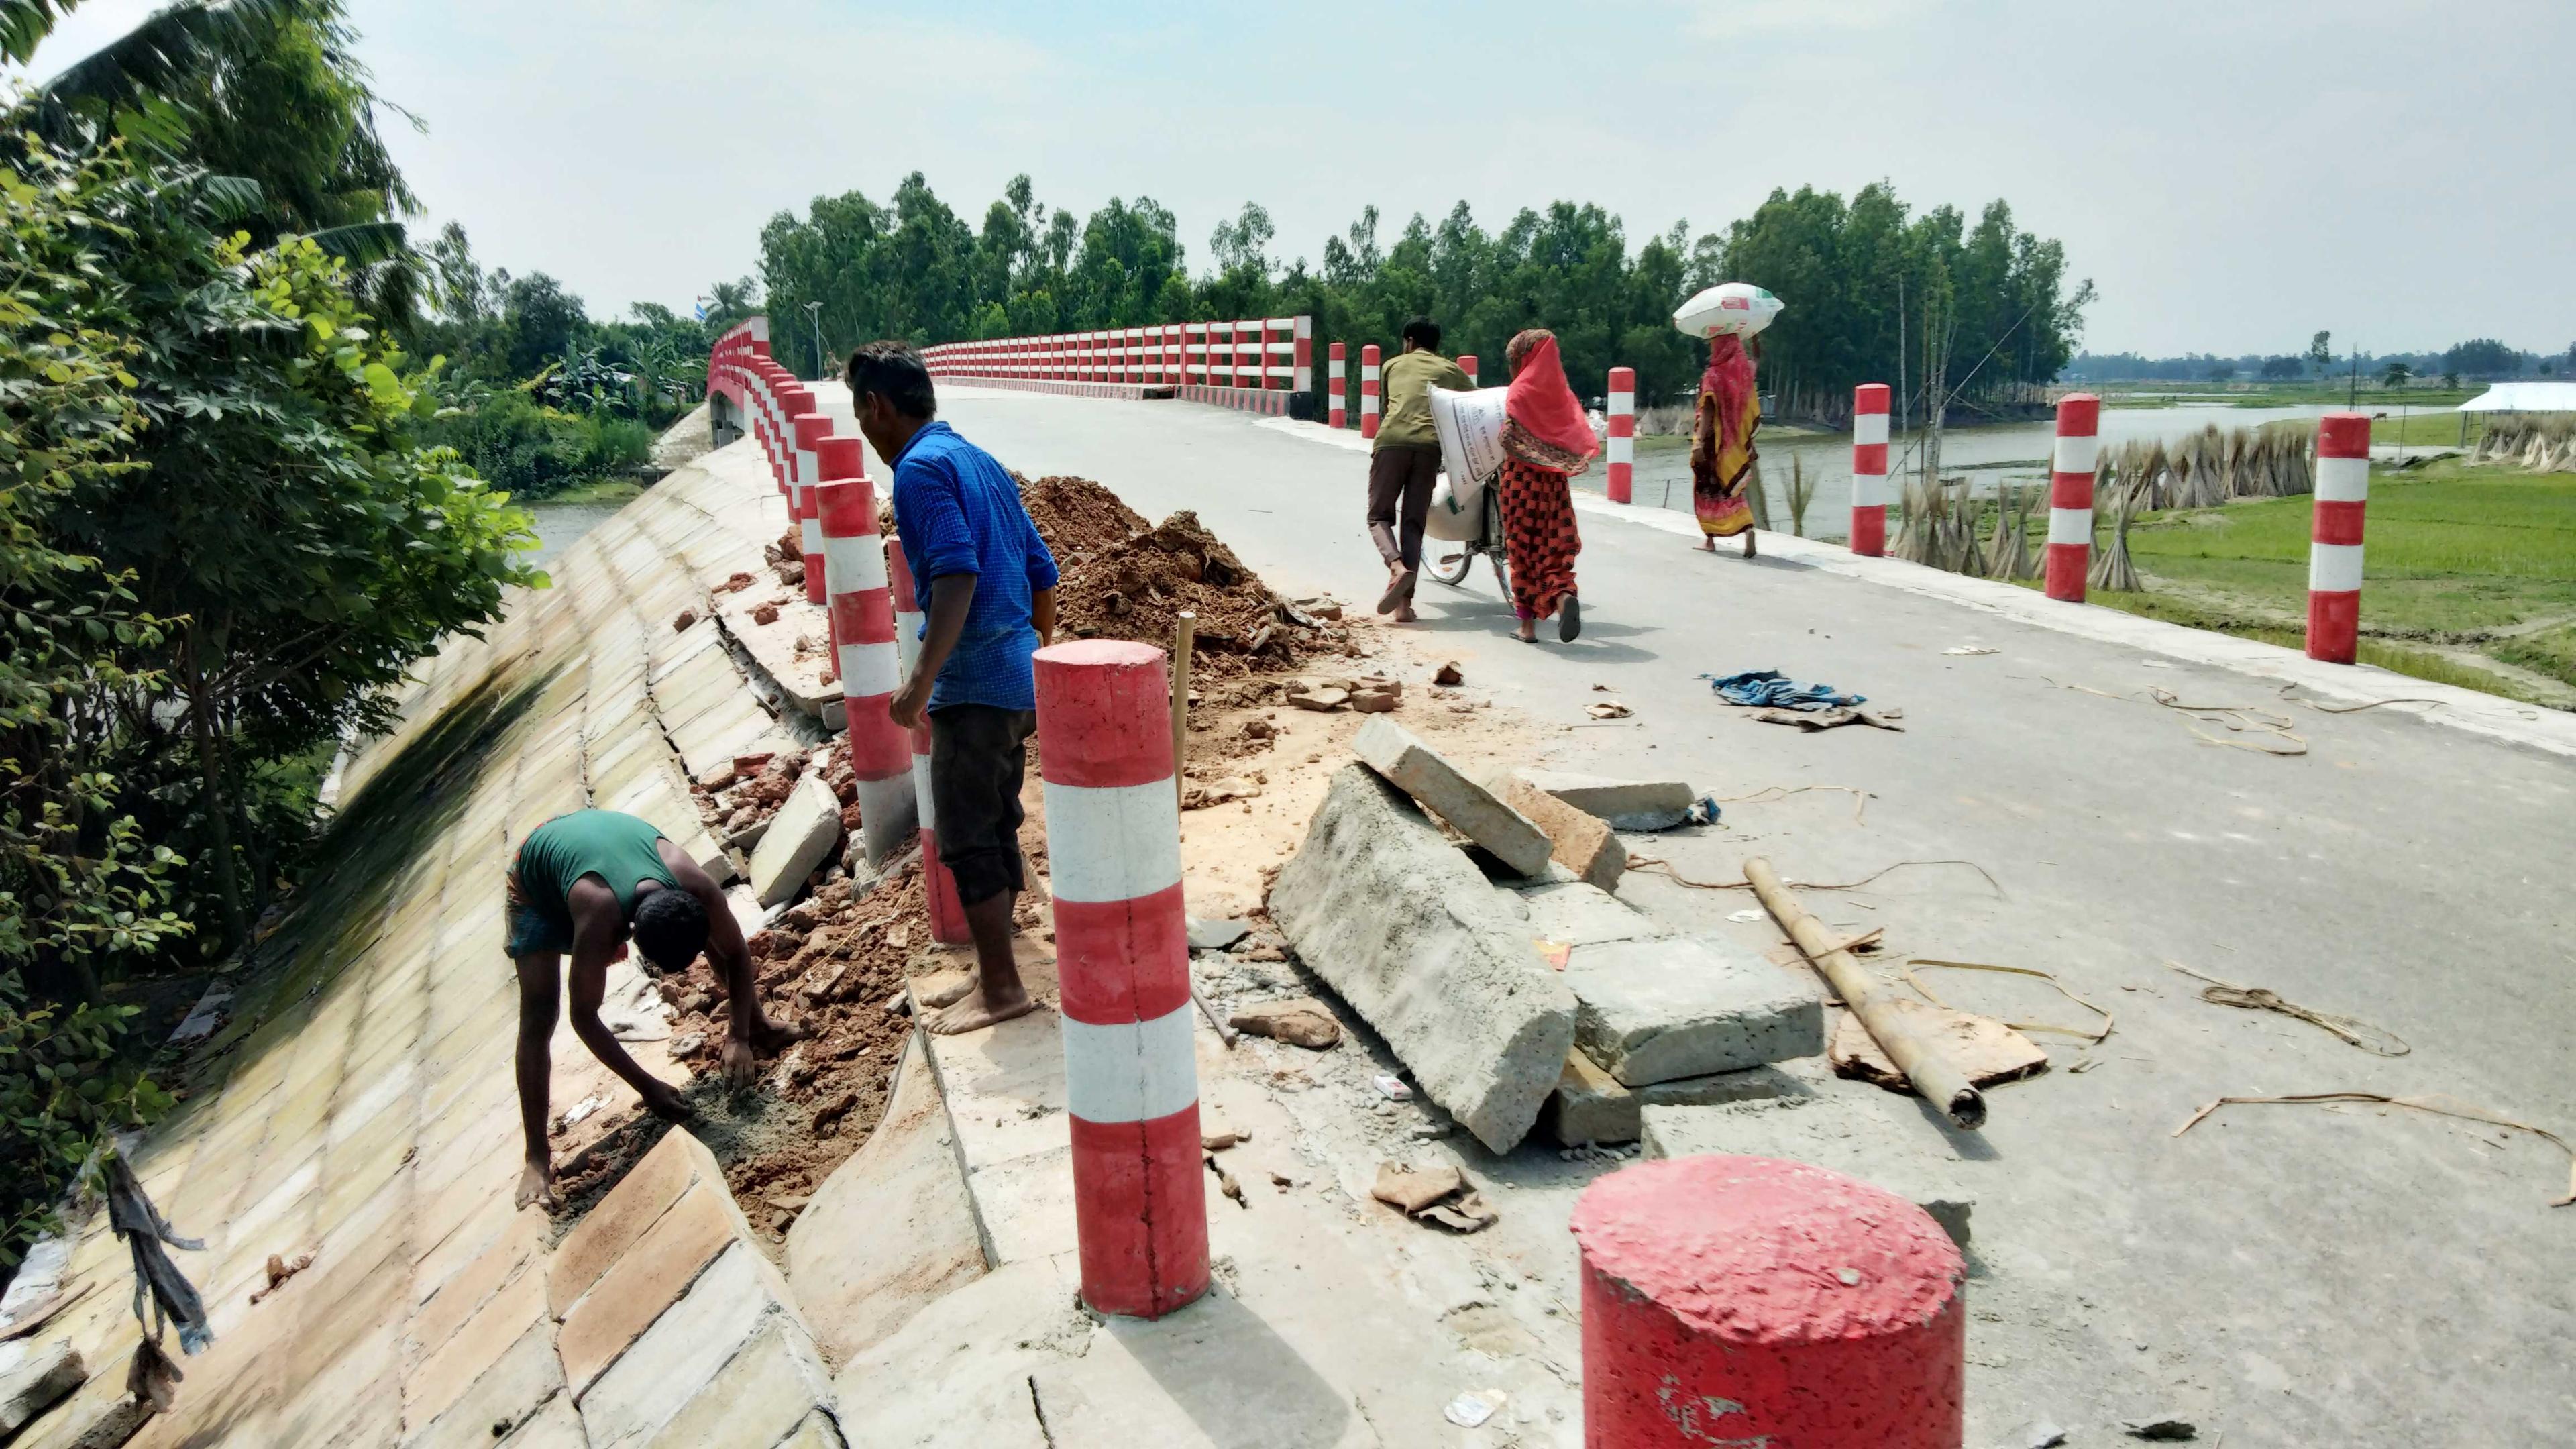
741,1066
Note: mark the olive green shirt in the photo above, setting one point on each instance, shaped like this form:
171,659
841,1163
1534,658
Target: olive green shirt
1406,381
619,849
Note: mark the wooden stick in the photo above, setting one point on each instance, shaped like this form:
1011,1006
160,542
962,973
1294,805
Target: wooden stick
1224,1033
1939,1082
1185,631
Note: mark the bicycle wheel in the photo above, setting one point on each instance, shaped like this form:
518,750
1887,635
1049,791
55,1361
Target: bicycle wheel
1494,547
1449,568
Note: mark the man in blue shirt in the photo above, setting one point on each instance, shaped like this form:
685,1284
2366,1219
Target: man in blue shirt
991,605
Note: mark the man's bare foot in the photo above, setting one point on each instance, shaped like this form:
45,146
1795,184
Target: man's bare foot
537,1184
975,1010
665,1102
1708,543
1404,614
947,993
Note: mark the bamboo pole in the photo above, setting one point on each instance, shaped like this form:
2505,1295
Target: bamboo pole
1185,632
1933,1076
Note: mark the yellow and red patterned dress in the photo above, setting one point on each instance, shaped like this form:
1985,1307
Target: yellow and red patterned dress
1722,427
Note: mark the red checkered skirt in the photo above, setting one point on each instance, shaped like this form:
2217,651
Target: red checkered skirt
1538,536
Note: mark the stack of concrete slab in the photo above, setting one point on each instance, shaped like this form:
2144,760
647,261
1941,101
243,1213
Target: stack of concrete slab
1553,991
1662,1018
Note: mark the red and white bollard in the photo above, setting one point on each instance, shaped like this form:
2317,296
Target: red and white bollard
862,608
1742,1300
1467,365
1301,354
947,916
2334,536
2070,495
1368,391
1122,965
1336,385
1621,446
811,430
1869,472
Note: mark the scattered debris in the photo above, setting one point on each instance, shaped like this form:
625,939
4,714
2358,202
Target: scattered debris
1984,1050
1123,578
1469,1410
1578,840
1860,797
681,621
2169,1430
1825,719
1226,1184
279,1269
2038,1434
765,613
1435,1195
1703,811
2094,1035
1322,700
1607,709
1220,1141
1967,650
1768,688
1554,953
573,1115
1449,674
1747,915
2438,1106
1300,1021
1391,1088
2378,1041
1216,935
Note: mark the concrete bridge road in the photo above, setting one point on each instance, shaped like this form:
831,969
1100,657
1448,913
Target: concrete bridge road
2292,1274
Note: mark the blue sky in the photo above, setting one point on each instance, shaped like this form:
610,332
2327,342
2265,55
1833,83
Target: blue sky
2233,176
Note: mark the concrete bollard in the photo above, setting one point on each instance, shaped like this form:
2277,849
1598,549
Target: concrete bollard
1467,365
862,612
947,916
2334,536
1301,353
2070,495
1869,470
1335,385
1742,1300
1368,391
810,430
1122,963
1621,446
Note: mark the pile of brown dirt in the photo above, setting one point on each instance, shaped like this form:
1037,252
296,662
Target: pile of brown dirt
1126,579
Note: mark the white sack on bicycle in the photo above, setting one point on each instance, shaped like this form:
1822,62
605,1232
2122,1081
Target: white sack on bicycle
1453,519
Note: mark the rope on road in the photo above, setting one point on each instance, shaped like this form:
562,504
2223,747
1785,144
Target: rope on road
2354,708
2272,729
2438,1106
2376,1040
2096,1037
1860,797
1665,868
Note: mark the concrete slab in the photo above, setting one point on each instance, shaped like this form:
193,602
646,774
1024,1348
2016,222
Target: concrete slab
1418,770
1626,804
800,838
1653,1011
1880,1139
33,1378
1577,914
509,1393
1578,840
980,1344
630,1209
1380,905
1590,1106
647,1280
891,1229
686,1348
772,1385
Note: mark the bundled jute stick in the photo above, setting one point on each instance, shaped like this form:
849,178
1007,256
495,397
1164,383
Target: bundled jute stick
1939,1082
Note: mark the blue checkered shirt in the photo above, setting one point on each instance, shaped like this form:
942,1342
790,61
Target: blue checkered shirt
957,512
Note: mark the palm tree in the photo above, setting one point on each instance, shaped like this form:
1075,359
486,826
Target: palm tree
264,96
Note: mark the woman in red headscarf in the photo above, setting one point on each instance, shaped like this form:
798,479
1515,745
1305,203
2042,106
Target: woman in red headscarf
1546,441
1721,454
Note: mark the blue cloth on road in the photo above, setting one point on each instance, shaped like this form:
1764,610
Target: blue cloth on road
957,512
1769,688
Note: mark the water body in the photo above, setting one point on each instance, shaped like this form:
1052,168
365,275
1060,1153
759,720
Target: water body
2010,452
560,525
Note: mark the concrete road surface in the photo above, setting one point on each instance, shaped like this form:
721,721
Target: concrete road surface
2287,1274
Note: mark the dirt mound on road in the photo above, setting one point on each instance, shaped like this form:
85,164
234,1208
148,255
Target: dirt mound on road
1126,579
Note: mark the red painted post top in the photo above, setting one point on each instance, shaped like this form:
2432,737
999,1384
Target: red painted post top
1742,1300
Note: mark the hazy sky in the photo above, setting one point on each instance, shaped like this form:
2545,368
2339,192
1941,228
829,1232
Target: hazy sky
2232,175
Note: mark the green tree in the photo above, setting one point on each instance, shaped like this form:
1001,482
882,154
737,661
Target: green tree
2320,352
2482,357
2395,375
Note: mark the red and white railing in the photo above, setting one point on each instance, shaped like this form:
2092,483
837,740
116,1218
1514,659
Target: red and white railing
1265,354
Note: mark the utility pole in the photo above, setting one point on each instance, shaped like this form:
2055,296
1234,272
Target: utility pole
814,314
2352,393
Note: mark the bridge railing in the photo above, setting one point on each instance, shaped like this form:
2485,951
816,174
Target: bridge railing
1271,359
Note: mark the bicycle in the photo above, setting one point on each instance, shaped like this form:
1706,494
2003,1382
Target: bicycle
1451,568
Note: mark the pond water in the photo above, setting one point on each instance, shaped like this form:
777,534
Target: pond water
2008,452
560,525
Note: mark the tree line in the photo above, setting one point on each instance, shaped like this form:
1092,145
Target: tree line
2482,359
1875,292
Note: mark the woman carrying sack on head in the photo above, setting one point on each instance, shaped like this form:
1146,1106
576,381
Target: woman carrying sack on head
1545,442
1721,455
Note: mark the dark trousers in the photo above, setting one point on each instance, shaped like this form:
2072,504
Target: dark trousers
978,755
1400,478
